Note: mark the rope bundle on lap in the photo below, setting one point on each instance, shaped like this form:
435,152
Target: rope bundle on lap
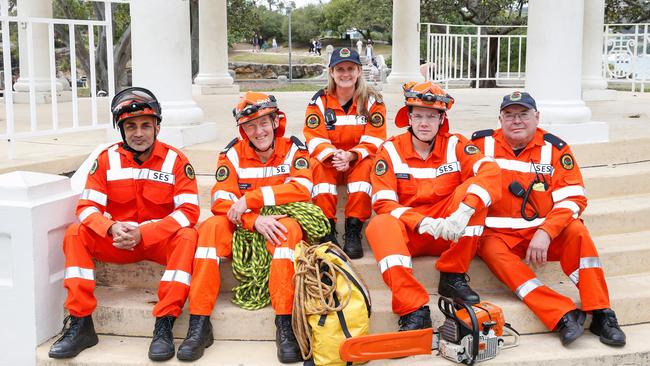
251,262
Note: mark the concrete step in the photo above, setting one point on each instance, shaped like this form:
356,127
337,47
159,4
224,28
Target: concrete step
533,350
618,215
127,311
622,254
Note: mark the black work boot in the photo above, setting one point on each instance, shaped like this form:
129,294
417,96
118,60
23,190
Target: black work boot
605,325
332,234
285,340
570,326
352,246
419,319
199,337
162,344
454,286
79,336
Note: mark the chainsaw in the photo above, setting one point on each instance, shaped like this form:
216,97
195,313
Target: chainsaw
469,334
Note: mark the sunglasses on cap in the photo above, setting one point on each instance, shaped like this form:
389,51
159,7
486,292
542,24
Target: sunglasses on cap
429,97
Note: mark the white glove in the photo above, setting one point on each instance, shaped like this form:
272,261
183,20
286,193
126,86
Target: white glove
431,226
454,225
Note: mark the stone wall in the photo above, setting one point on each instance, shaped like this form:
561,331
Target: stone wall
246,70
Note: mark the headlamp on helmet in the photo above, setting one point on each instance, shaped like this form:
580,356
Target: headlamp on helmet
254,105
134,102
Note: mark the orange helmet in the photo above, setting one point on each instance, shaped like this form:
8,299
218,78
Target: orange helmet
425,95
255,105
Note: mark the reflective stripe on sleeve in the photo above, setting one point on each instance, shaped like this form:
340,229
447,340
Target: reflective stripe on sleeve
183,198
371,139
481,193
177,276
365,187
398,212
569,205
323,188
87,212
95,196
180,218
525,288
364,153
224,195
170,159
302,181
324,153
268,195
384,195
566,192
79,272
394,260
480,162
313,143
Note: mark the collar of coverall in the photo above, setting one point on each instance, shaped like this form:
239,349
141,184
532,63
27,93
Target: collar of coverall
334,103
158,150
279,149
439,147
537,140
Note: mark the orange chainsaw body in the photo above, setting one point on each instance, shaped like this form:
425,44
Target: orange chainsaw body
485,312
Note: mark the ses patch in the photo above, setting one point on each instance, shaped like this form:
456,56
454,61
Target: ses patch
381,168
93,168
312,121
471,149
222,173
567,161
189,171
377,119
301,163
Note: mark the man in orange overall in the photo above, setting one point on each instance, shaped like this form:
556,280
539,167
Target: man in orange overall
140,203
344,126
431,190
538,220
264,168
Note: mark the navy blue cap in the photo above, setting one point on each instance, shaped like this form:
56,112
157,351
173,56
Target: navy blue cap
520,98
344,54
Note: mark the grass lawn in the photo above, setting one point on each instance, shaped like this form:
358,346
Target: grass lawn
272,58
288,87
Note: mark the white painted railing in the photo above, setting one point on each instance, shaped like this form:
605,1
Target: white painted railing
626,55
457,54
56,126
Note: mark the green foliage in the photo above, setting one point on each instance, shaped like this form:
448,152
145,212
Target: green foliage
306,23
364,15
627,11
270,24
243,19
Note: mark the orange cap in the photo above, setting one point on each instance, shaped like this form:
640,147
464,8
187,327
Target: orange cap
425,95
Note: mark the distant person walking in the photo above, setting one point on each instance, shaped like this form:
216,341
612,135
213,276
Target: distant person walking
274,45
369,46
360,46
256,42
319,46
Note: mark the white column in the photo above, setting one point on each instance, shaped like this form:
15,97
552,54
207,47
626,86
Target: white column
36,209
554,70
40,53
406,45
160,44
213,77
594,85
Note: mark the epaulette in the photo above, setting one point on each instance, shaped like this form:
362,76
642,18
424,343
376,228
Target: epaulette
230,145
482,133
555,141
318,94
296,141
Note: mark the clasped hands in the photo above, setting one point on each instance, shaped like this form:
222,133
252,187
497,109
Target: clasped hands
449,228
125,236
341,160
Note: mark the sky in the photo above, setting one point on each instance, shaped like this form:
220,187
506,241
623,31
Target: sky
301,3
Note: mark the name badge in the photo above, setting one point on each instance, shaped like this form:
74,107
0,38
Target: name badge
446,169
402,175
161,177
543,168
281,169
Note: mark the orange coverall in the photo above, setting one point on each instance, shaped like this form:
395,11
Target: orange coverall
559,203
406,189
284,178
160,196
351,132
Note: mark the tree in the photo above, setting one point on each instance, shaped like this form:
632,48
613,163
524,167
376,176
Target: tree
479,12
366,16
627,11
72,9
306,23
